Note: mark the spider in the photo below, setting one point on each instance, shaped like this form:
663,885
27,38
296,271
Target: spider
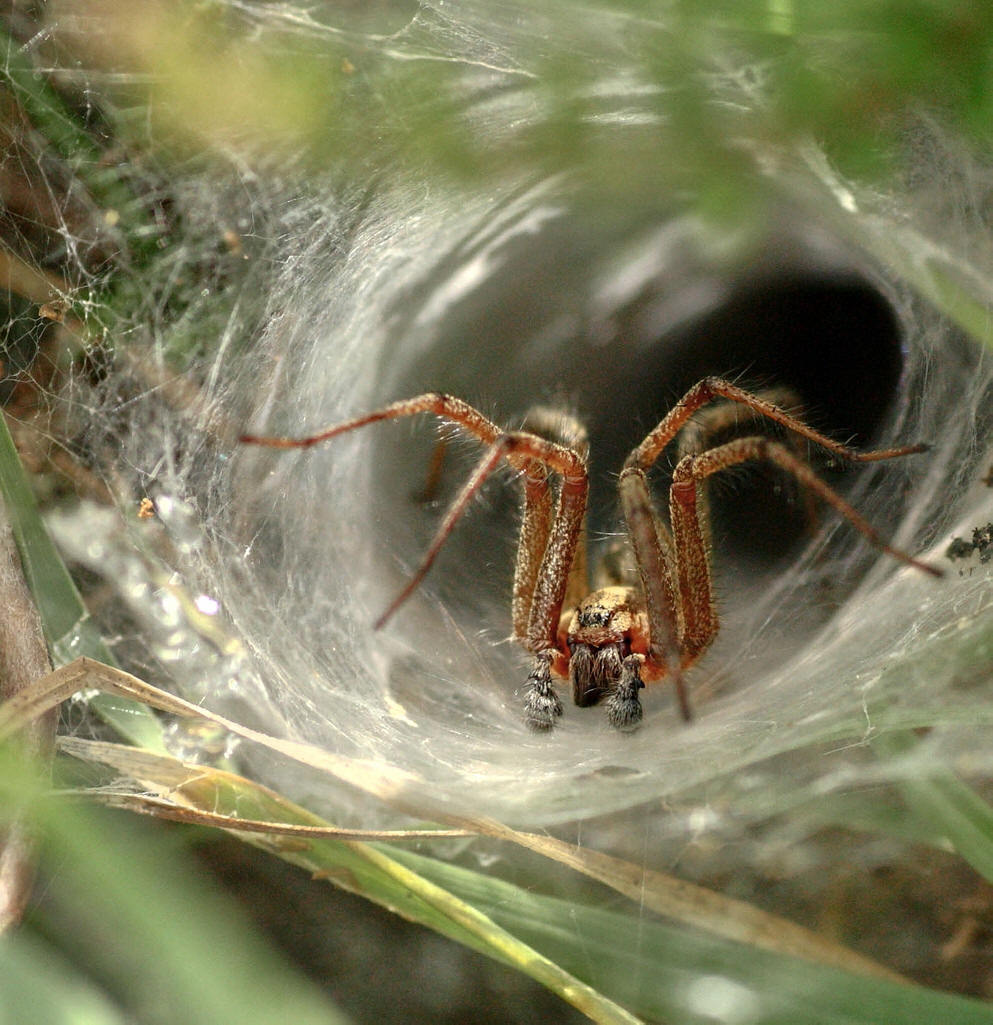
658,621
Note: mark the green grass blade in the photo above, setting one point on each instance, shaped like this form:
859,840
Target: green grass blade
368,870
945,803
41,987
602,961
68,629
135,913
675,974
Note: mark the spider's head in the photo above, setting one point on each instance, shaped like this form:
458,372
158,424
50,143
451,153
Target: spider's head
606,627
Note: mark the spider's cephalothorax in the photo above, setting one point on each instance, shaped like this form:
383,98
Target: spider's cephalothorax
601,648
610,642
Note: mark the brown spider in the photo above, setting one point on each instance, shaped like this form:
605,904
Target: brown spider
611,641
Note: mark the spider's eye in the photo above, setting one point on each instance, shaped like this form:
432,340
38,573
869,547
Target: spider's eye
593,616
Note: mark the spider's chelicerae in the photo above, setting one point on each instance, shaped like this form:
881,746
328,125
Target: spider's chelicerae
611,641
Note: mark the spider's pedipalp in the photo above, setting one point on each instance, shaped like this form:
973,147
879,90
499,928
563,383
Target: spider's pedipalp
624,709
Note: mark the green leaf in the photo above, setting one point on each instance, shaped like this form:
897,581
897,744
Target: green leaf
41,987
940,799
675,974
136,914
69,631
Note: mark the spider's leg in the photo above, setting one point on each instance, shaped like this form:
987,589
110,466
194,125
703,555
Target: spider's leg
445,406
546,564
517,447
541,704
563,429
656,556
434,475
491,459
536,527
711,388
714,424
549,538
692,470
548,558
682,618
558,559
552,575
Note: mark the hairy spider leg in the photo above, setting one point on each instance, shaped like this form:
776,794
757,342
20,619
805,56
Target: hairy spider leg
563,429
656,558
556,540
536,528
549,536
447,407
711,388
694,469
491,459
551,562
682,617
705,428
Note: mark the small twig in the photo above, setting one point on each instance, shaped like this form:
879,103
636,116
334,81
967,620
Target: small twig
23,657
162,808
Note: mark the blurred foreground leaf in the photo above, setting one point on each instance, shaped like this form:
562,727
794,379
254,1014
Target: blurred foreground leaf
551,939
69,631
137,916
